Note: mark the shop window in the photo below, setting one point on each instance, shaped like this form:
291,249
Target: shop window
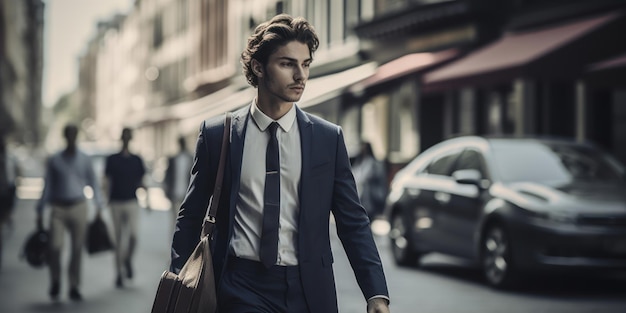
374,126
510,112
350,126
404,141
501,111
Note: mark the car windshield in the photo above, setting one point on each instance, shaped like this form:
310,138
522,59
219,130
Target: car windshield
552,163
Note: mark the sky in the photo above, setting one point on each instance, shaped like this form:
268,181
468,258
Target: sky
68,26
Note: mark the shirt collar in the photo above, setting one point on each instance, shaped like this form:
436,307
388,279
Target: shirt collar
263,121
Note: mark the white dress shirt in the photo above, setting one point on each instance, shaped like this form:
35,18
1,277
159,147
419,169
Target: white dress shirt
249,215
66,177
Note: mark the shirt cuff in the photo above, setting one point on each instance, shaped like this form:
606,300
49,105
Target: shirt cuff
380,297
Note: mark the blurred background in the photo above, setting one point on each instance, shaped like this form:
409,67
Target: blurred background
400,74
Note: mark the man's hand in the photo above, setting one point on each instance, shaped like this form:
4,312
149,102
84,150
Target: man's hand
377,305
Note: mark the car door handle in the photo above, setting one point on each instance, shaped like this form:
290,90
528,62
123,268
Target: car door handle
442,197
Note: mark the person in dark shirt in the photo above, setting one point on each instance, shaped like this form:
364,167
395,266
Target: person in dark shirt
125,172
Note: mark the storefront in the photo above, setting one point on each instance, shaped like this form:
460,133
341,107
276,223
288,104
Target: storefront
528,82
605,91
389,107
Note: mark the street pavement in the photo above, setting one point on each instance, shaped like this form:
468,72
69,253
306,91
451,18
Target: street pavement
441,286
25,289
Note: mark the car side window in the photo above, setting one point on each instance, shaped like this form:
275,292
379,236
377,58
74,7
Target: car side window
442,165
471,160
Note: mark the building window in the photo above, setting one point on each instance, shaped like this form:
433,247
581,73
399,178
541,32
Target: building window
157,35
183,15
352,16
279,7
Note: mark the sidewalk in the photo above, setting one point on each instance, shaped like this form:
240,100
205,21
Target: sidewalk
25,289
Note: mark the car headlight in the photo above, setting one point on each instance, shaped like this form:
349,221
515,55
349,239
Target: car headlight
562,217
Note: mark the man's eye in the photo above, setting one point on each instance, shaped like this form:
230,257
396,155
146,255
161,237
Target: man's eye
306,65
288,64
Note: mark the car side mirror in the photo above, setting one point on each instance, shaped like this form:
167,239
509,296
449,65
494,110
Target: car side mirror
470,177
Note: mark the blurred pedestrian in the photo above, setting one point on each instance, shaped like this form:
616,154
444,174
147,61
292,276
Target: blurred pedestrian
67,174
289,170
9,171
125,174
371,180
177,177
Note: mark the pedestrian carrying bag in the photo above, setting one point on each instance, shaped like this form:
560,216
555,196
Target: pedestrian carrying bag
193,289
35,249
98,237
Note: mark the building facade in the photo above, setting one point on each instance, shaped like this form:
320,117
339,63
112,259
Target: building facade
534,79
169,64
21,68
402,75
492,68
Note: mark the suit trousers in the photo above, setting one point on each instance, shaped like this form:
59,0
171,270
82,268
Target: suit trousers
72,218
126,225
247,286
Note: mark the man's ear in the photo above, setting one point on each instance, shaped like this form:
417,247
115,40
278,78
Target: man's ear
257,68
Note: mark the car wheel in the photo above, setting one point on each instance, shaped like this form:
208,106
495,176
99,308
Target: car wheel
496,258
401,246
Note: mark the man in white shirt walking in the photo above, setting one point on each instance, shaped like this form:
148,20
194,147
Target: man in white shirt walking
67,174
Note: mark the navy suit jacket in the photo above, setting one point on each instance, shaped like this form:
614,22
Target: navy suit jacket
326,186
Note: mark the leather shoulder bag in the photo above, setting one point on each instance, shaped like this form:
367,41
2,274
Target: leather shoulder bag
193,289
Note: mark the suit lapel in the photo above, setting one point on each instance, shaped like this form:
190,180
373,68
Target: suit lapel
239,122
306,137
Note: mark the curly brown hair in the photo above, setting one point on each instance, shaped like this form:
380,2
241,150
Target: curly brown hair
273,34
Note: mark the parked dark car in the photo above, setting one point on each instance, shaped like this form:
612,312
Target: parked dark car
512,205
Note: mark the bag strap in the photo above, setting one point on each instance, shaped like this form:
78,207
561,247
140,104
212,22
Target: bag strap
209,219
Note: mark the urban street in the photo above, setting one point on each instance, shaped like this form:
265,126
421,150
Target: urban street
493,130
440,285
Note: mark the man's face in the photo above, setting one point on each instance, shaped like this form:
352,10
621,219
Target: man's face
284,76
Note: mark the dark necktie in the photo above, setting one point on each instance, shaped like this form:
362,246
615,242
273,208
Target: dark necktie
271,201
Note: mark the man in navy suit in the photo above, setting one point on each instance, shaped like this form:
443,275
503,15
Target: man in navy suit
287,171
